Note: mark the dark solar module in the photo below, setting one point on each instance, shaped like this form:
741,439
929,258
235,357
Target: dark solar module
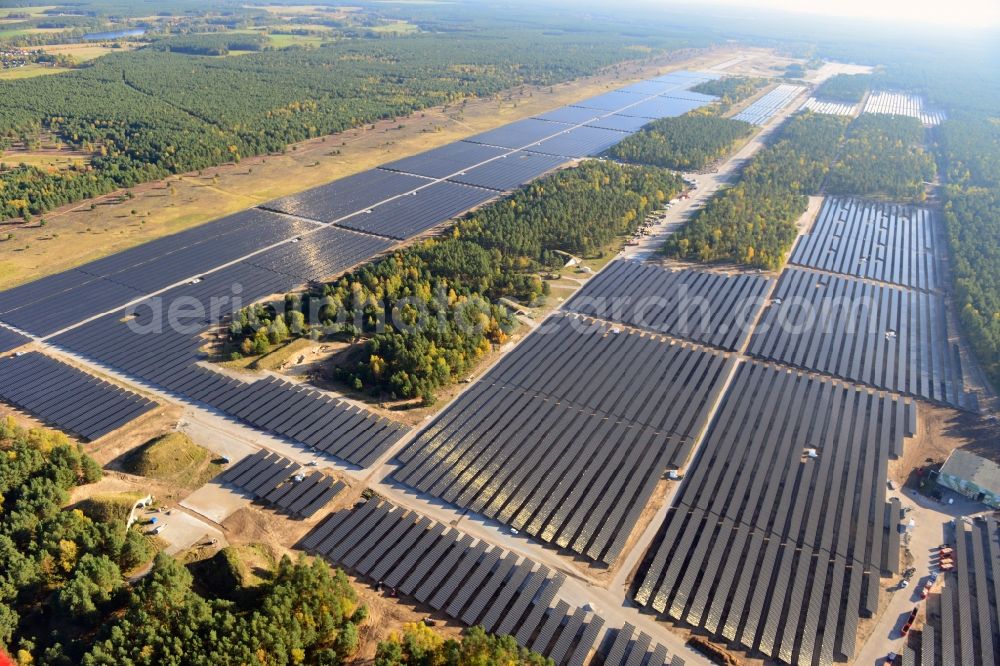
413,214
511,171
67,398
335,200
580,142
471,582
566,438
711,308
780,524
447,160
882,336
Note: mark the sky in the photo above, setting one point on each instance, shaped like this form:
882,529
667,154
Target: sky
965,13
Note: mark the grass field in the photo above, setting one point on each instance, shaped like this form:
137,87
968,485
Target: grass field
30,71
174,459
77,234
33,11
281,41
397,27
45,159
20,32
79,52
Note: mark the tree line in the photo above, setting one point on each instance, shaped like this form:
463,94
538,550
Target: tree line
883,156
731,89
428,313
753,222
686,143
418,645
969,153
845,87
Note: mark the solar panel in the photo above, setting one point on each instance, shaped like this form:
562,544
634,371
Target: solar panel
446,160
415,213
766,534
509,172
561,449
68,398
343,197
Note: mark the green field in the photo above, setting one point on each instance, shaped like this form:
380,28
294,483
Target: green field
30,71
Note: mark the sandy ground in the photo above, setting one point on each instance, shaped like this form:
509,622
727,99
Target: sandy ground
89,230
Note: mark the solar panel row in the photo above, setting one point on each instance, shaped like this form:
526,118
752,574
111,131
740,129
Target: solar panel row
778,536
963,627
477,584
566,438
710,308
11,339
882,336
67,398
761,110
275,480
510,171
346,196
320,255
631,650
52,303
829,107
147,347
417,211
879,241
580,142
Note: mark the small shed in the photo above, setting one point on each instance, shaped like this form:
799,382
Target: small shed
972,475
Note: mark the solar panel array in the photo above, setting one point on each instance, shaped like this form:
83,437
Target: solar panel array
710,308
320,255
628,649
963,627
47,305
764,108
882,336
270,250
415,212
166,357
346,196
323,423
902,104
275,480
469,581
768,546
580,142
510,171
621,123
879,241
829,107
67,398
566,438
446,160
11,339
661,107
521,133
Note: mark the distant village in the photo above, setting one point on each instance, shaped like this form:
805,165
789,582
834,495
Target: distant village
12,58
